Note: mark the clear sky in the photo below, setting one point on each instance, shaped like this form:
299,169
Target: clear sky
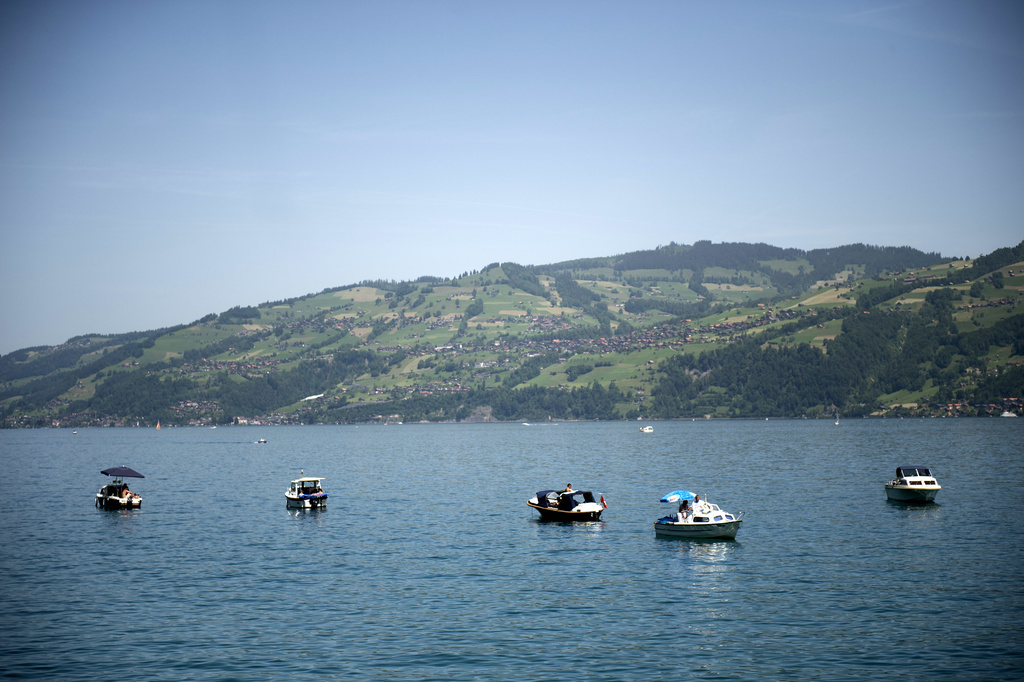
162,160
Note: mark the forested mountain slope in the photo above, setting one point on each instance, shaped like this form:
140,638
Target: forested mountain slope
708,330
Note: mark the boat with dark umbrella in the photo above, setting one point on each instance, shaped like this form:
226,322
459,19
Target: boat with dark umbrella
116,495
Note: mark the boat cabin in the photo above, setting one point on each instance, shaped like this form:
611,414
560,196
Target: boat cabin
711,514
115,488
912,472
566,501
306,486
716,516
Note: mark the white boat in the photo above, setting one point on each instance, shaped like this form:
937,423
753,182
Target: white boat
646,429
1007,413
306,493
700,520
567,505
116,495
912,484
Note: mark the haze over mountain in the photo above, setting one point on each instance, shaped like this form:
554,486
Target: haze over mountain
162,159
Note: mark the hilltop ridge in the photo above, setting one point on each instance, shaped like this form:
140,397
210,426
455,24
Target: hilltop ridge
680,331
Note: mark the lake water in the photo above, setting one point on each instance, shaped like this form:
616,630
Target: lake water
428,564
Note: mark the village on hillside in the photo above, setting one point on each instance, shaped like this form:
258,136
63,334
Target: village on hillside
370,352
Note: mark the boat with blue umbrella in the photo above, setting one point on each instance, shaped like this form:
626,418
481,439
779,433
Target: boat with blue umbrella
116,495
696,519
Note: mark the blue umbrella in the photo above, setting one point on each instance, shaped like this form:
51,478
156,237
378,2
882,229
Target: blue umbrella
678,496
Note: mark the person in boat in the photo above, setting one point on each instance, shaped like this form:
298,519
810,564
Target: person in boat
698,506
684,511
565,498
125,493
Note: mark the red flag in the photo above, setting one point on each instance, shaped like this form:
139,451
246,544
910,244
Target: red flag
605,504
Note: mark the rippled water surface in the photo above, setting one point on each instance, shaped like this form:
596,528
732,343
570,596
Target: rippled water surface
428,564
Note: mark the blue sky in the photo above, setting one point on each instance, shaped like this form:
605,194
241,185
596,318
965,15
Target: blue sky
163,160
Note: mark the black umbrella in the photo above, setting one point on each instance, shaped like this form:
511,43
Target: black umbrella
122,472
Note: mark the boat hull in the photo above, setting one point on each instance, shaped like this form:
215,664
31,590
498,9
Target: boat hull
718,530
551,514
917,494
110,502
306,501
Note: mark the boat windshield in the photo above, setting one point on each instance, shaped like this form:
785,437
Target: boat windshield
563,500
575,498
307,485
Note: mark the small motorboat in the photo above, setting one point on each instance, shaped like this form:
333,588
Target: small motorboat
646,429
116,495
699,520
306,493
912,484
567,505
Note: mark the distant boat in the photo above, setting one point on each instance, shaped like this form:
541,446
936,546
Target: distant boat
699,520
912,484
306,493
568,505
115,495
646,429
1007,413
157,424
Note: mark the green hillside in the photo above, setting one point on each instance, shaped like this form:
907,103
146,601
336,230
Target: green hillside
708,330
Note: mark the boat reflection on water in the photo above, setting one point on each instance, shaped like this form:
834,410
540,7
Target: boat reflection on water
121,519
704,569
915,515
914,506
714,549
314,516
545,527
